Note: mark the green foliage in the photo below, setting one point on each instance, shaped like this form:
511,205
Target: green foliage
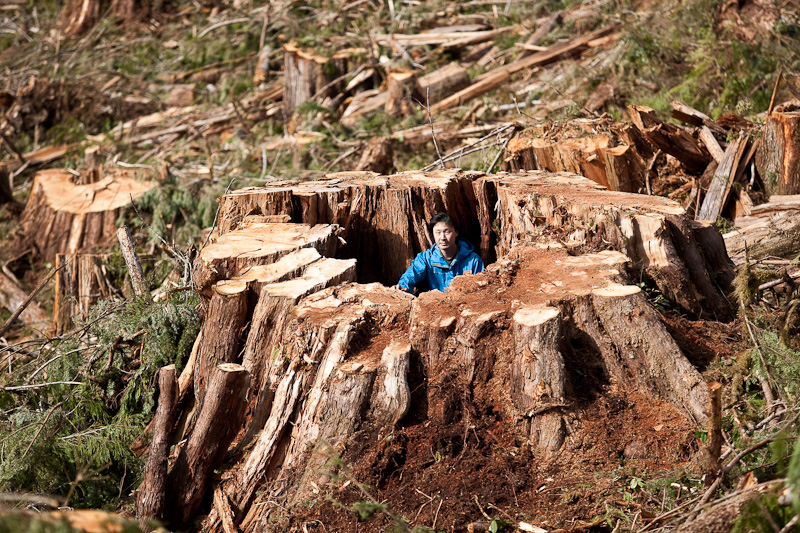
756,513
92,394
367,510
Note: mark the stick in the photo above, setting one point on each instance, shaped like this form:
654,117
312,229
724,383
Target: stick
775,92
499,153
430,121
133,263
28,300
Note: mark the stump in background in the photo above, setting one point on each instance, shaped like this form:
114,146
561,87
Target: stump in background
778,156
61,217
309,76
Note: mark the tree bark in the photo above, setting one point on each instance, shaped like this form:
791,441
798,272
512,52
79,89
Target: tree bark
308,76
778,156
405,94
80,284
214,431
222,331
670,139
151,497
61,217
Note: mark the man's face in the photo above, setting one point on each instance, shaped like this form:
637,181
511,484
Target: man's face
445,236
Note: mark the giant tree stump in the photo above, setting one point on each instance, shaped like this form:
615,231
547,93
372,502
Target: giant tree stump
778,156
612,154
556,322
61,217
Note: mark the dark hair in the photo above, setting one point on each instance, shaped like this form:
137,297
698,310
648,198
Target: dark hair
442,217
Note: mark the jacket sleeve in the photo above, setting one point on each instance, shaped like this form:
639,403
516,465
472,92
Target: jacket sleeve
476,265
414,274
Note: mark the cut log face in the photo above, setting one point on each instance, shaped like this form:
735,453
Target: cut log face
256,244
61,217
598,149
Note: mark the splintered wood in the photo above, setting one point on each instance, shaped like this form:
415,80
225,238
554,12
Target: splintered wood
61,217
331,362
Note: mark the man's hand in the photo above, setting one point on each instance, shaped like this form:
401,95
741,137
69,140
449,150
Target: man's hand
399,288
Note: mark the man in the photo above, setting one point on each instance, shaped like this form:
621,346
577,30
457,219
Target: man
436,267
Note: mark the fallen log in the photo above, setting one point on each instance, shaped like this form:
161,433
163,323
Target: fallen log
151,495
717,195
12,297
61,217
774,235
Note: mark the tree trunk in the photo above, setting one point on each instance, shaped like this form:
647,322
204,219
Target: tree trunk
151,495
596,149
80,284
556,322
378,156
405,95
778,156
311,77
61,217
222,331
216,427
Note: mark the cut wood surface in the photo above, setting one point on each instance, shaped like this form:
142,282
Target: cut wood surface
80,284
598,149
670,139
252,244
61,217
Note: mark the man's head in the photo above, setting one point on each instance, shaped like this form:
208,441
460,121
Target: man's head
444,232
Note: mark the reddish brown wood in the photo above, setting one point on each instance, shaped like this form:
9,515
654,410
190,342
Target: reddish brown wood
217,424
151,498
670,139
778,157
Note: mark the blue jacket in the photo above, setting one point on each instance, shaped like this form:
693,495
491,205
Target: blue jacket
430,271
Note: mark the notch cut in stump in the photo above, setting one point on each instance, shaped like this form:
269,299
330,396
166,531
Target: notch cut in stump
253,244
612,154
61,217
80,284
383,218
